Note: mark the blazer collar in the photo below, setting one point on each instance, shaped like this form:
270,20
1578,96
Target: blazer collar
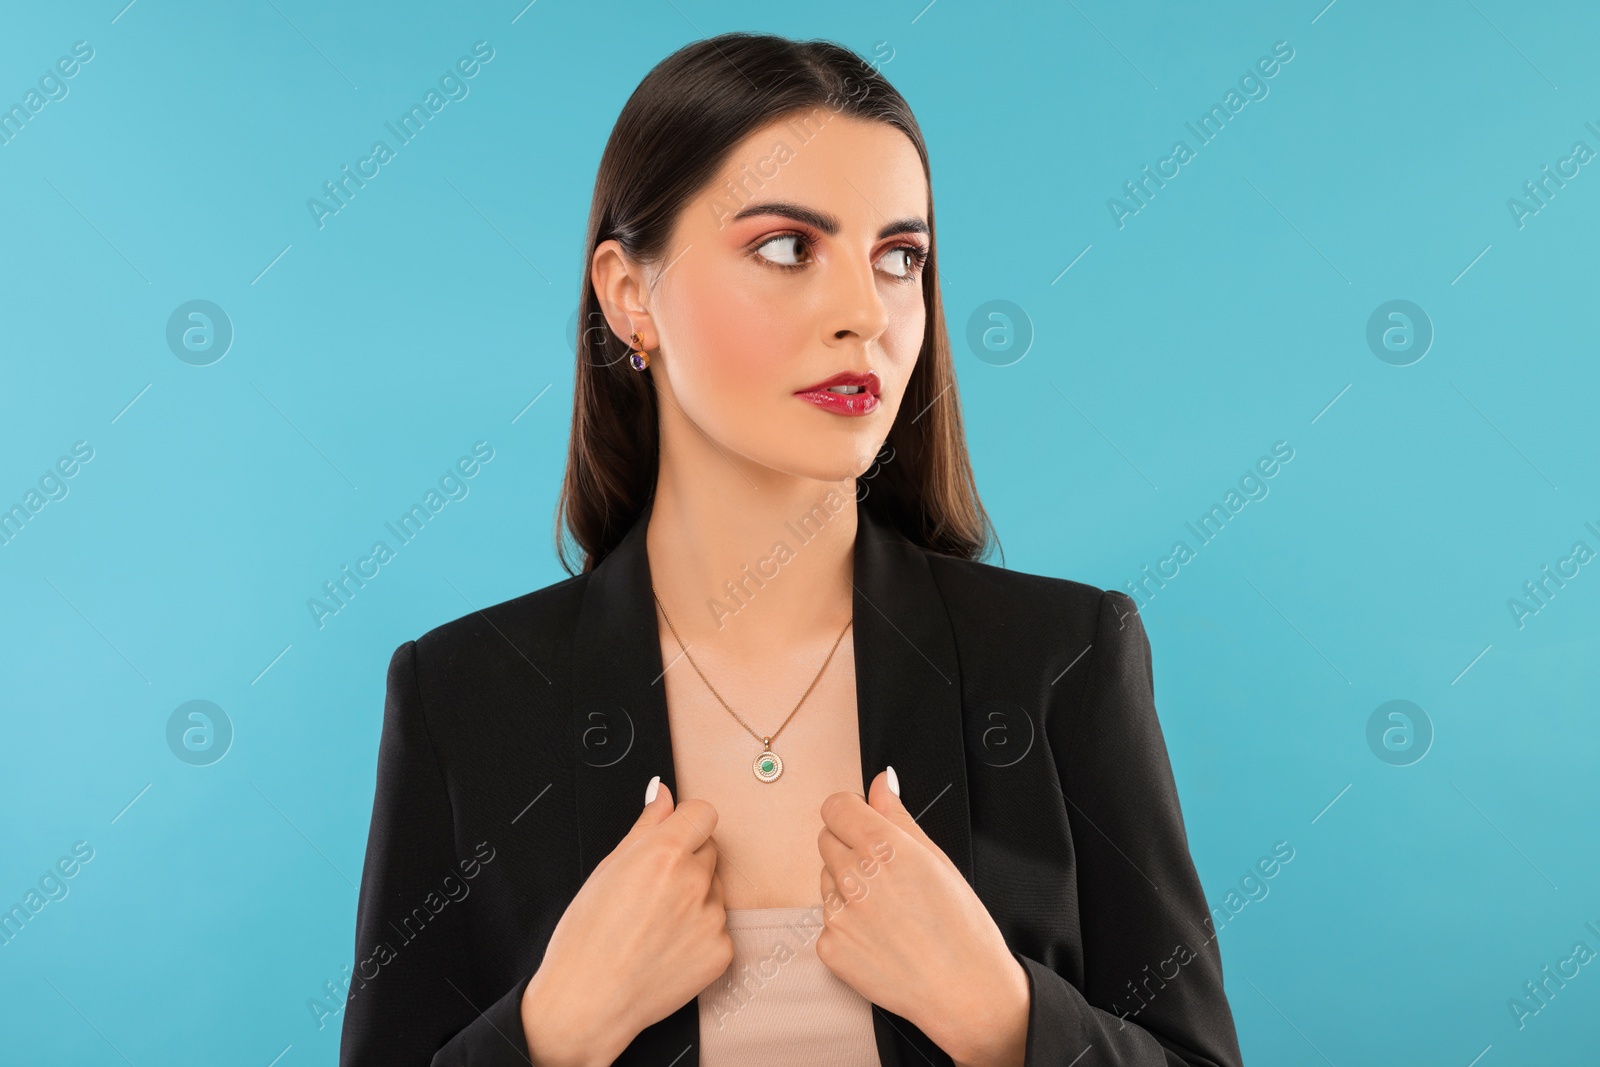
908,692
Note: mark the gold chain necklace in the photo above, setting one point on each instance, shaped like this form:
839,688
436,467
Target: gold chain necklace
769,764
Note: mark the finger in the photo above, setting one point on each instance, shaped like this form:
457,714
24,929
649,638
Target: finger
851,819
708,854
845,861
850,872
837,857
831,900
655,810
882,799
691,823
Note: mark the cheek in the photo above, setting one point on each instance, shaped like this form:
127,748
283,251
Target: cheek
732,339
902,341
906,325
734,343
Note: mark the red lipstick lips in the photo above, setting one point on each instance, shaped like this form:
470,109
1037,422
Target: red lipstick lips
849,394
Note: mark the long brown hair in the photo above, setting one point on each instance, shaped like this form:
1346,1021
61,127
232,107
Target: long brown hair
673,136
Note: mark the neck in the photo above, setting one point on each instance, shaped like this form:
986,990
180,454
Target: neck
745,556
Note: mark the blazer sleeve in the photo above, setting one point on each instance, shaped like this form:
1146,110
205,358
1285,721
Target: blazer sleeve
1152,994
413,996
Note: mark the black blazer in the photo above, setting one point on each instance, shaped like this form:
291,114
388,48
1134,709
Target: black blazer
517,743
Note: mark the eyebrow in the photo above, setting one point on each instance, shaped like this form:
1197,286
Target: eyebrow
821,220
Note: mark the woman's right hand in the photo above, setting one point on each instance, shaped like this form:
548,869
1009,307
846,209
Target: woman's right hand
645,933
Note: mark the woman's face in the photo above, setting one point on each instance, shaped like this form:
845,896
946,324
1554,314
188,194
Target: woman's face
800,263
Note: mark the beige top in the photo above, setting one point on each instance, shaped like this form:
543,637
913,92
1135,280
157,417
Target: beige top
777,1004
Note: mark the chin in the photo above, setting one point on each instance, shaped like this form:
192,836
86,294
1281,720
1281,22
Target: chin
842,463
820,447
805,456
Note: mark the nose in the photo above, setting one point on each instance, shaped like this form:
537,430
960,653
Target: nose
855,312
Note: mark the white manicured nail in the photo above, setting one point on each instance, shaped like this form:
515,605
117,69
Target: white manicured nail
652,789
894,782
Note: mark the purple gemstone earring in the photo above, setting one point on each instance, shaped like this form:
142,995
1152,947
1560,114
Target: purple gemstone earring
641,359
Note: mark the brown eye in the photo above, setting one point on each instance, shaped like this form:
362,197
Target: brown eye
907,268
903,266
784,258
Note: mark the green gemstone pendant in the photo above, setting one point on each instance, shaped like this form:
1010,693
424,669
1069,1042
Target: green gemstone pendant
768,765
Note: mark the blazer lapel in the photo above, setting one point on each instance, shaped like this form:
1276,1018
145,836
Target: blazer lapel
908,706
908,703
619,735
908,686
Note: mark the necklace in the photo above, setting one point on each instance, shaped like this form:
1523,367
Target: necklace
769,764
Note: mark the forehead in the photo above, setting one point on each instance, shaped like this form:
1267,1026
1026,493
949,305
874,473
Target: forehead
854,168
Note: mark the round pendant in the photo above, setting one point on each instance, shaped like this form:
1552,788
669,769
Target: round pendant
768,766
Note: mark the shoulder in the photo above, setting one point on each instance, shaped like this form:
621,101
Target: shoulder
534,628
491,682
1033,635
982,592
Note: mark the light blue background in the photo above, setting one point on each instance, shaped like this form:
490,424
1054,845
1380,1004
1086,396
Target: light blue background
1228,314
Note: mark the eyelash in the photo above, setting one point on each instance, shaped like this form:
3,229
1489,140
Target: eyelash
919,256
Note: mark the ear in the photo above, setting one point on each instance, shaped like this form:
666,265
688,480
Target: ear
623,290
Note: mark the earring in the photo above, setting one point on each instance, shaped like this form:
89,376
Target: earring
641,359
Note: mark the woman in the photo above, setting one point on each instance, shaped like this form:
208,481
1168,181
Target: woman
662,812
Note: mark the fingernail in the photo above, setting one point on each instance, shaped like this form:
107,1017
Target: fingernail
654,787
894,782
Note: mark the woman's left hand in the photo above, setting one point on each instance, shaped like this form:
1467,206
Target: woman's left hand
904,929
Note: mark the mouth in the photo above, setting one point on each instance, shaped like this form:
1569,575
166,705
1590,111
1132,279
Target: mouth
850,393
